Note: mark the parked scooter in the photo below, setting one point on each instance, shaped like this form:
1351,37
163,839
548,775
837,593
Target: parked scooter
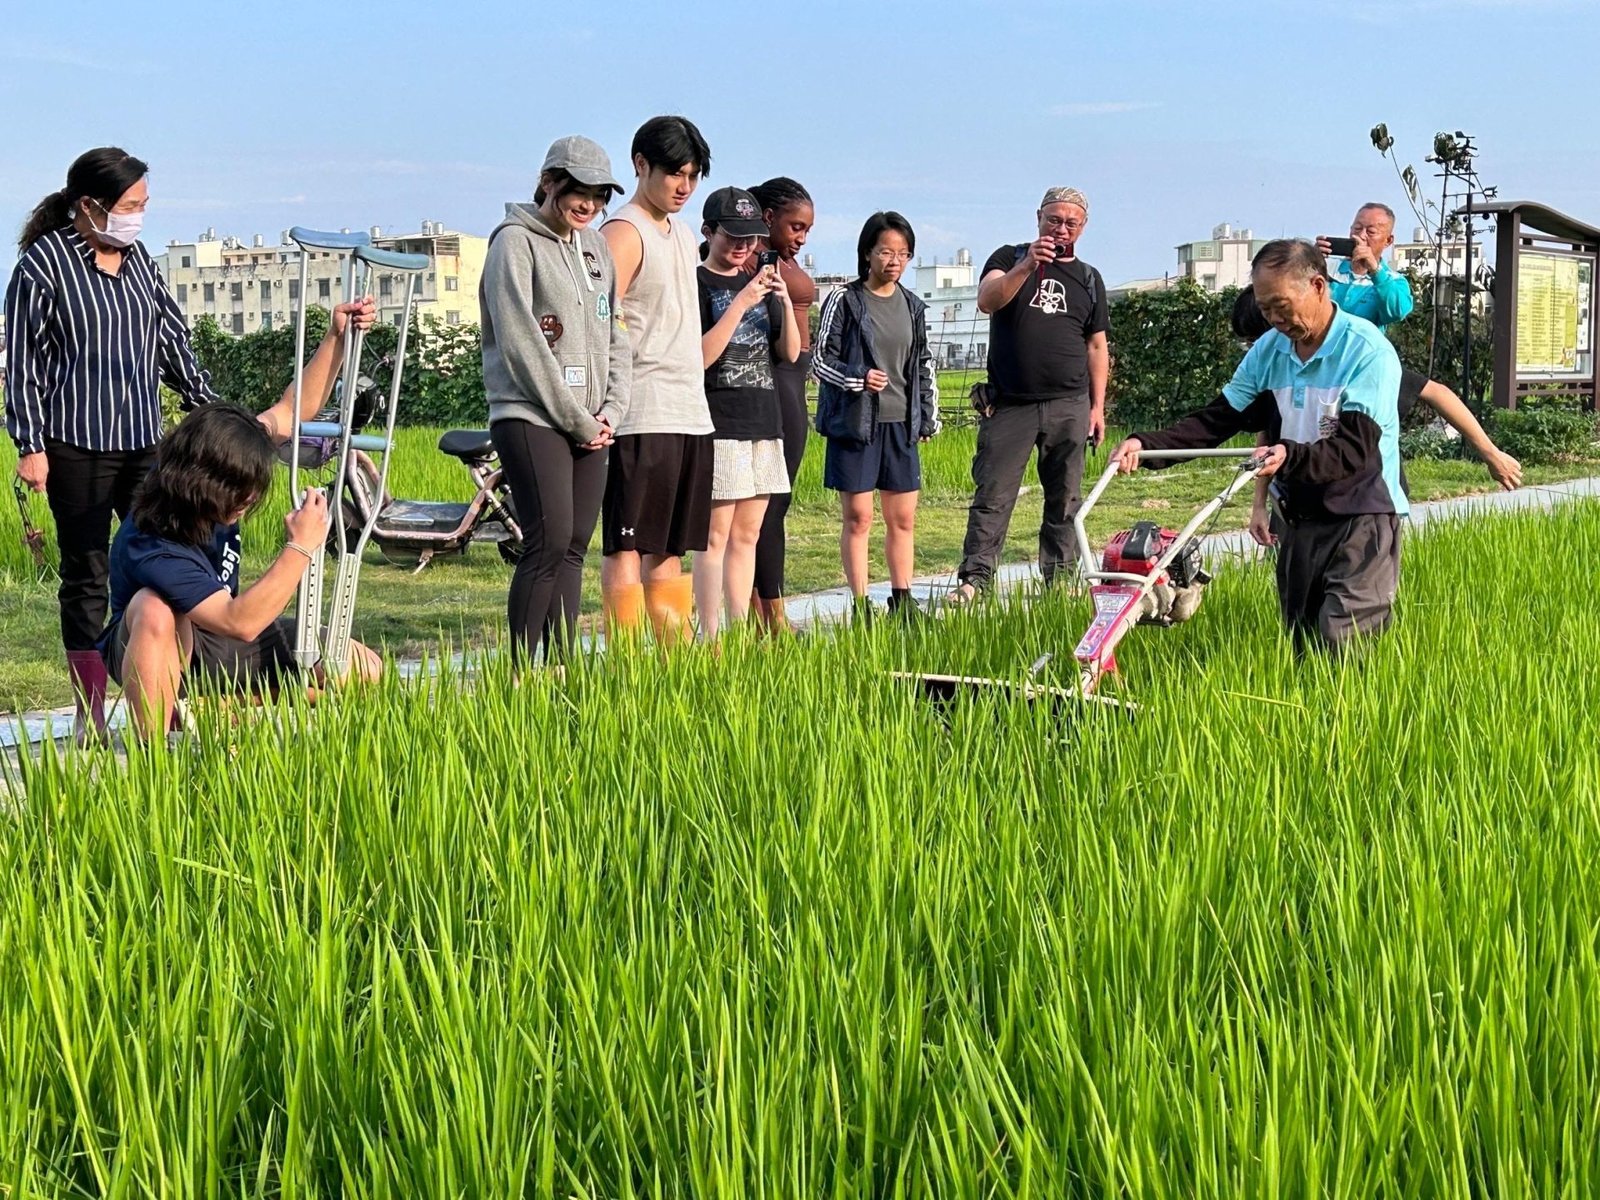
412,532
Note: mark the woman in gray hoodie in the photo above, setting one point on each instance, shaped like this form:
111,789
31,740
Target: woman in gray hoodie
555,367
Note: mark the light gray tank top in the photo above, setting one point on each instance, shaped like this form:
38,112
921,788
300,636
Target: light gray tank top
662,313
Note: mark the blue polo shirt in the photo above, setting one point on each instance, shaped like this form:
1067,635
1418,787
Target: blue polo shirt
1355,372
1384,297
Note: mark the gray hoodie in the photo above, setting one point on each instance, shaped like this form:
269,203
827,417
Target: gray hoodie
554,350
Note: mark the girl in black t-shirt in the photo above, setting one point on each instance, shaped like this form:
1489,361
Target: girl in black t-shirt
748,323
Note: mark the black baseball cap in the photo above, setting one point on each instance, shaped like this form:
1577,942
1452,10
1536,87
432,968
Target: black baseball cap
735,212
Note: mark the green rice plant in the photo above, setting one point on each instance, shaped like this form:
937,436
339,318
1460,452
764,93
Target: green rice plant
764,923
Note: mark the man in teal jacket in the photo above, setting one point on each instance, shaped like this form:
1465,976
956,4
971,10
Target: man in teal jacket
1364,285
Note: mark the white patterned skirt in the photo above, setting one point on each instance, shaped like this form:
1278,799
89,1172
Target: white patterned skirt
745,469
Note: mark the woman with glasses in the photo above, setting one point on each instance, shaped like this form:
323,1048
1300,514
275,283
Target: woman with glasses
92,336
877,401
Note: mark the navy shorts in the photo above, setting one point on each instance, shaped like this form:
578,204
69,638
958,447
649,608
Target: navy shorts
888,463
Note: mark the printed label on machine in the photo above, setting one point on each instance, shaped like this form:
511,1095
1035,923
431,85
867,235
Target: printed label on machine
1110,602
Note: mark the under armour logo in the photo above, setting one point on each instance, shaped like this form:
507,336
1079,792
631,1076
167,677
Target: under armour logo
626,531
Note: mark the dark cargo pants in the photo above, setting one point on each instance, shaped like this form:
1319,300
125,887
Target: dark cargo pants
1337,579
1058,429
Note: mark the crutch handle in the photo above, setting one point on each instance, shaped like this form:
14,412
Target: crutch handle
319,239
395,260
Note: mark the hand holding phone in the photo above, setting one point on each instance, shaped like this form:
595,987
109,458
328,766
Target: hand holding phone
1339,247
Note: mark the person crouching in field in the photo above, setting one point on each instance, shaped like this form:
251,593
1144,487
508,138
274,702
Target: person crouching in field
177,611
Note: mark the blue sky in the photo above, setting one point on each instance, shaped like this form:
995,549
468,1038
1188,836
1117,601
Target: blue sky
1171,116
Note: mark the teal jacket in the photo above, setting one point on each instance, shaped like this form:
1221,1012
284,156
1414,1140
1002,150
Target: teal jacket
1382,298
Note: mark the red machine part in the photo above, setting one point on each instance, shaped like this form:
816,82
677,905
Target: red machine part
1136,551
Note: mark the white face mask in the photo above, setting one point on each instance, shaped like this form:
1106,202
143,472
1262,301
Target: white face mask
122,229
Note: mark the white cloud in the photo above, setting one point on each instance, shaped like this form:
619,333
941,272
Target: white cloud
62,56
1101,108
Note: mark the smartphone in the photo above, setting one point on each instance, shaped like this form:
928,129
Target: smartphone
767,258
1340,247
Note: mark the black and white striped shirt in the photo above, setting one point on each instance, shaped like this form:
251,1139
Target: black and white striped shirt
87,352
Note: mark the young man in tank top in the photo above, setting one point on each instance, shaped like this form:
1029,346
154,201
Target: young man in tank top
657,503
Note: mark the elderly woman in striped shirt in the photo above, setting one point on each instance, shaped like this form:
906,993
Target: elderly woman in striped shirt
93,333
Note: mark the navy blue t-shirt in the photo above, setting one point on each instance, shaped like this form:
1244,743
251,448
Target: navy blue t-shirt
183,576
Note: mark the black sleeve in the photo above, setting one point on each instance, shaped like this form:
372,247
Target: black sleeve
1411,385
775,321
1002,259
706,319
1100,319
1207,428
1350,450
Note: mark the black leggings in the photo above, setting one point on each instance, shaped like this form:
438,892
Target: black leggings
791,381
557,489
84,488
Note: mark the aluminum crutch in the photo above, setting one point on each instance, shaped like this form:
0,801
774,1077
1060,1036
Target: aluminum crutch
308,605
342,615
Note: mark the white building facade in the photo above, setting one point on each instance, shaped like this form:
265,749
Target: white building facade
958,334
246,288
1222,260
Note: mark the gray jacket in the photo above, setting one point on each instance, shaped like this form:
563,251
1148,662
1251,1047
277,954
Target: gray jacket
554,349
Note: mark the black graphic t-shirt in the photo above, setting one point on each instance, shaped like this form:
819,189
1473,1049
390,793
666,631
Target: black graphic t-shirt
1039,343
739,385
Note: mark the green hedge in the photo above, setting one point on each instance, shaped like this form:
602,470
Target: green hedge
443,382
1172,350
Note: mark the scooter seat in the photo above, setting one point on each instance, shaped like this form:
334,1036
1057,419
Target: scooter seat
469,445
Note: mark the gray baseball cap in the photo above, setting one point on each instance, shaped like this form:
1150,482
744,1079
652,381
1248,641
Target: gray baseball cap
583,159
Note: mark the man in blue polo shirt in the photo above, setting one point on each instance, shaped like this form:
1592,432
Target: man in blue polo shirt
1364,285
1323,386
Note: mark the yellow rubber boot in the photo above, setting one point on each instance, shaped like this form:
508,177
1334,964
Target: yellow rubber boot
623,606
670,603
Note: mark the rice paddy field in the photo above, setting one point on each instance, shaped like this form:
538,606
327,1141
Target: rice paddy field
763,923
462,599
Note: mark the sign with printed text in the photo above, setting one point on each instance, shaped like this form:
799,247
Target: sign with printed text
1555,306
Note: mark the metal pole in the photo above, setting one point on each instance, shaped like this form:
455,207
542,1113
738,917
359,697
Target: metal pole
1466,343
1438,272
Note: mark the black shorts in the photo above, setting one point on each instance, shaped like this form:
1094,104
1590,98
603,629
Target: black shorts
222,661
890,462
658,494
